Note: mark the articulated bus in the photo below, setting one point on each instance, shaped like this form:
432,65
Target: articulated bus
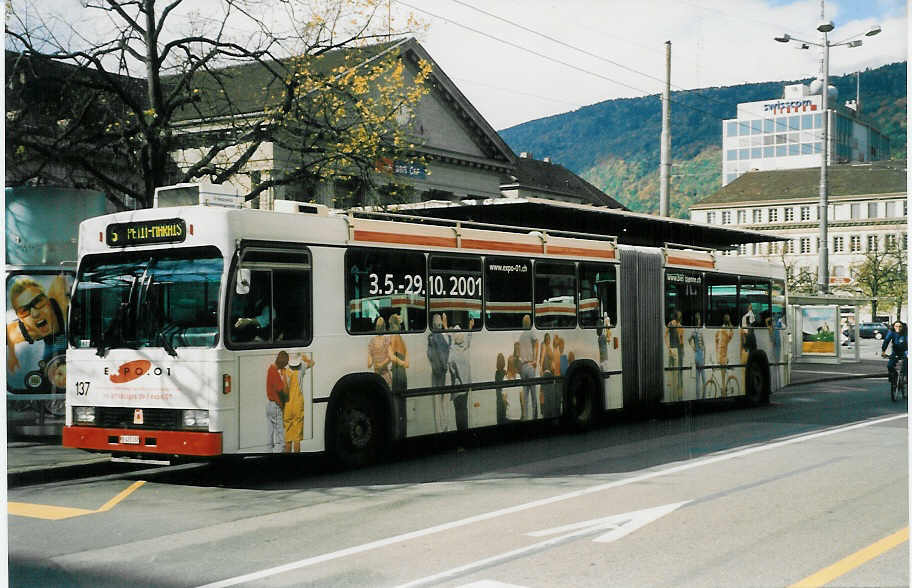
206,331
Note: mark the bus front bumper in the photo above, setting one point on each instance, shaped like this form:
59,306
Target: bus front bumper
143,441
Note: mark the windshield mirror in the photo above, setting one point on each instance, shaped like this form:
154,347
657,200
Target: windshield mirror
242,286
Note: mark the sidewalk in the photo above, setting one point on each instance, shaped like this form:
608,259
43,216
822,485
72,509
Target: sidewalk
29,456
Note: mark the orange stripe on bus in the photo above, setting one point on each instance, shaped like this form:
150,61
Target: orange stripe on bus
425,240
500,246
693,262
561,250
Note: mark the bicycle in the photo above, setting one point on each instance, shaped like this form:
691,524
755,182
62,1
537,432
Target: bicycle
711,387
899,385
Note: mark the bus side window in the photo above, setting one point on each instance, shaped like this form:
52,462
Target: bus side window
721,300
292,303
684,294
555,295
271,298
597,294
508,293
380,283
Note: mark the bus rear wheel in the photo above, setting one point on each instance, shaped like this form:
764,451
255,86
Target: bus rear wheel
357,435
579,409
757,383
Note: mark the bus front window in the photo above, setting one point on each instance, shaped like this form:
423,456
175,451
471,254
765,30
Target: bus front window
163,298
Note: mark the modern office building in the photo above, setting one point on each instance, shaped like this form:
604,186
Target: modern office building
787,134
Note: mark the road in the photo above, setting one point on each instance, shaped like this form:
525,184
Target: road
813,487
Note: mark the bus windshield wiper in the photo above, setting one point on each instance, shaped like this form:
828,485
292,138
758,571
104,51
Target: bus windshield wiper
152,312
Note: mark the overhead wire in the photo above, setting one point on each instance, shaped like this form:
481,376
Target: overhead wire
565,63
599,57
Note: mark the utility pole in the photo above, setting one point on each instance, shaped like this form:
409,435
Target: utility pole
665,164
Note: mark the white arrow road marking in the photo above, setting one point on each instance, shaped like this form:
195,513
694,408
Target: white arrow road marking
620,525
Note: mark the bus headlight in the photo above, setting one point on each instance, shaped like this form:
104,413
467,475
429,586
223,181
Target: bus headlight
195,419
84,415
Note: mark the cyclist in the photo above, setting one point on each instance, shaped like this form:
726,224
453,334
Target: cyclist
900,350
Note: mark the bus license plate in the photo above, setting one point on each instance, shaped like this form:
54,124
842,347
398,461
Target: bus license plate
129,439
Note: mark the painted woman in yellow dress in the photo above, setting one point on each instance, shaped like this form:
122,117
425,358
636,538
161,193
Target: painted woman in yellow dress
293,417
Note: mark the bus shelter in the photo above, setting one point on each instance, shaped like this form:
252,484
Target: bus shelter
823,326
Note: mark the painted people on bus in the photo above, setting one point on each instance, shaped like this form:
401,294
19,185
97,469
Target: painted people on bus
698,345
500,399
378,352
546,370
276,396
398,355
40,316
438,353
461,374
674,341
723,337
293,412
603,335
528,357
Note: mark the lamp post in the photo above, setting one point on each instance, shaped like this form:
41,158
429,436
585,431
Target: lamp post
823,269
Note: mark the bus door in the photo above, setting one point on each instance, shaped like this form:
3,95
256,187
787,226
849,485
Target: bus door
269,324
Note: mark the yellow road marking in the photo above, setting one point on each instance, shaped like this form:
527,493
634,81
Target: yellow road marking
851,562
56,513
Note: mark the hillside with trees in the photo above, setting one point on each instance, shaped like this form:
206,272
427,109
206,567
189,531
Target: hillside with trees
615,144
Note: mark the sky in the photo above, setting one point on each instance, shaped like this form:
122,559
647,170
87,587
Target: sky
520,60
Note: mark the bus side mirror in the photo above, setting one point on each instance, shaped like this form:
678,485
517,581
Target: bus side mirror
242,283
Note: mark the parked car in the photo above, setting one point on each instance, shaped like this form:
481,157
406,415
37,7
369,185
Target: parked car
875,330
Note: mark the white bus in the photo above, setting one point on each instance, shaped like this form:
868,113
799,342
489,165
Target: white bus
203,331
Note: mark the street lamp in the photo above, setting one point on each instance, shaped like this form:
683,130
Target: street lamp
823,270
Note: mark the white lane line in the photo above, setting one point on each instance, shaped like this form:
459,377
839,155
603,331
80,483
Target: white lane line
354,550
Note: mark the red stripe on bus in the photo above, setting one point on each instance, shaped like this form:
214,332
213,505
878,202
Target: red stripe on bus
580,251
150,441
692,262
424,240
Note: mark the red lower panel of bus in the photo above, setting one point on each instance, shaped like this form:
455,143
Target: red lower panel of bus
143,441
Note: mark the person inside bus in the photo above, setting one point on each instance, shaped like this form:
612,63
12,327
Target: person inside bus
253,310
528,354
40,316
900,340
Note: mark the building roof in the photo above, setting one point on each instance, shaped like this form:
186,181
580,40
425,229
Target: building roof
553,179
845,179
630,228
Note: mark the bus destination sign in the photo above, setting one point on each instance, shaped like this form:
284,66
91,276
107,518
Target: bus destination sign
172,230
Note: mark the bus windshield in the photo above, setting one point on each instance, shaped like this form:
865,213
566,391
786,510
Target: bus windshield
164,298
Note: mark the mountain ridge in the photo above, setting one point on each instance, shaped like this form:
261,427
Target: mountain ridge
614,144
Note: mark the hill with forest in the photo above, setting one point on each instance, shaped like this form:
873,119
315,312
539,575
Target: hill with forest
615,144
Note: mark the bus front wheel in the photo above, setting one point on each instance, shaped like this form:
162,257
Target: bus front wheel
357,435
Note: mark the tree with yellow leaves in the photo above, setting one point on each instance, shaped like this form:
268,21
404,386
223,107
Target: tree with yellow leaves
135,94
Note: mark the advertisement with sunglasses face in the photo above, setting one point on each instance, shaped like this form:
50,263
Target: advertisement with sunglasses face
36,332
